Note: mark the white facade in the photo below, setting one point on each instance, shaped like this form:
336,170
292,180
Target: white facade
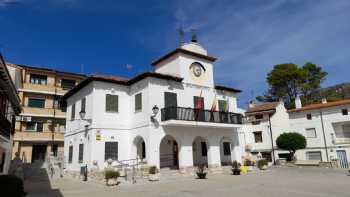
166,143
330,136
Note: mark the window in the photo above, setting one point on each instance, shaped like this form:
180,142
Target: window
314,155
170,99
67,84
70,154
311,133
34,126
72,115
36,102
259,116
344,112
222,105
258,136
204,149
308,116
111,103
111,150
38,79
57,102
81,153
138,102
344,132
83,104
227,148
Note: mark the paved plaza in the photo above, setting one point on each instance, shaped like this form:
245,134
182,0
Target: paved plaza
282,181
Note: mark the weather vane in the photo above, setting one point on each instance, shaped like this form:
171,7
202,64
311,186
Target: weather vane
181,32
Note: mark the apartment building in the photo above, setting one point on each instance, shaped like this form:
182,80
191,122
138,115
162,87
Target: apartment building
40,126
9,108
175,117
326,127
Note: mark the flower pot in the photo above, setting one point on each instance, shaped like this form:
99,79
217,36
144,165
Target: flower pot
236,172
201,175
264,167
154,177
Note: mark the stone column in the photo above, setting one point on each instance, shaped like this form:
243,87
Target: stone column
214,160
185,158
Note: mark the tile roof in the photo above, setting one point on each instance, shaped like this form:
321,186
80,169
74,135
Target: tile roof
321,105
263,107
119,80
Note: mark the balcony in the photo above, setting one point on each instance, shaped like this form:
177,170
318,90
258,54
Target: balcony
5,126
39,136
43,112
199,117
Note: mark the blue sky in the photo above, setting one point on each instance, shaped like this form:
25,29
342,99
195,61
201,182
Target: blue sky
248,37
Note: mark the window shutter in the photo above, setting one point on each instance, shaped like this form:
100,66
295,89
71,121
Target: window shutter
111,103
83,104
70,154
111,150
81,153
72,115
170,99
138,102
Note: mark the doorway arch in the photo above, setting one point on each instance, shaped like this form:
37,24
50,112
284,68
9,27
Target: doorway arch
139,149
200,149
168,153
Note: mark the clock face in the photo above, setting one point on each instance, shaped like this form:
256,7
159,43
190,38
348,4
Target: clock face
197,70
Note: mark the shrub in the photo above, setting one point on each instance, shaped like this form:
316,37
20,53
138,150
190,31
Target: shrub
262,162
153,170
236,165
11,186
111,174
291,142
201,168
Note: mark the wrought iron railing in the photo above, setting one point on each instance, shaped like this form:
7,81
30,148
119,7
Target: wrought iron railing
200,115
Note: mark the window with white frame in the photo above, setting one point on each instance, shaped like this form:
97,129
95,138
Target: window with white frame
314,155
310,133
344,132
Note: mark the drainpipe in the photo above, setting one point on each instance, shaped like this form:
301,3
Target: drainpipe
324,135
273,149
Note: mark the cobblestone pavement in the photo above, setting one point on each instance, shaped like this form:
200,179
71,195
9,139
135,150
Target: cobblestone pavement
282,181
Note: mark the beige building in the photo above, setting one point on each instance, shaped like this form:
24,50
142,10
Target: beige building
41,125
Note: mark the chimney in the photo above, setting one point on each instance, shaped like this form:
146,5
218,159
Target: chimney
324,101
252,104
298,104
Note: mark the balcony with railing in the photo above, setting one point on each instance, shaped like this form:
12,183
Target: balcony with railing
190,116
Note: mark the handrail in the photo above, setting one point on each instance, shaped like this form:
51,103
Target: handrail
200,115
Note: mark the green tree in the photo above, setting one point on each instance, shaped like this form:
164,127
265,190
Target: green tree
287,81
291,142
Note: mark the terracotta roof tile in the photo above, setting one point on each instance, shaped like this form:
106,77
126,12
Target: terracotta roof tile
263,107
321,105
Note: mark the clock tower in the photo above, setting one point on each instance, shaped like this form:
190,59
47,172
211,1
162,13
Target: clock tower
190,61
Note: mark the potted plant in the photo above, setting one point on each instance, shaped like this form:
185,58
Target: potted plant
201,172
262,164
236,168
111,174
153,173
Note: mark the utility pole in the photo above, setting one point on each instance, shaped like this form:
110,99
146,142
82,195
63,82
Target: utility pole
272,147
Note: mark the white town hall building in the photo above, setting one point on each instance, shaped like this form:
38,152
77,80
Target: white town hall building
174,117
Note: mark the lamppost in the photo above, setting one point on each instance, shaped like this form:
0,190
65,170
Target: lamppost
82,117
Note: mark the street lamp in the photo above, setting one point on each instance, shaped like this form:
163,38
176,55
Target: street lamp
155,111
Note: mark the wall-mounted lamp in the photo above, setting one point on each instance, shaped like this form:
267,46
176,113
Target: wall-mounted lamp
82,114
155,111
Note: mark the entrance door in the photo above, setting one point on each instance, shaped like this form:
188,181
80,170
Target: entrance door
176,154
39,152
342,158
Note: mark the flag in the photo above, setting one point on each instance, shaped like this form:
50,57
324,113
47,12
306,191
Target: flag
213,105
199,104
227,105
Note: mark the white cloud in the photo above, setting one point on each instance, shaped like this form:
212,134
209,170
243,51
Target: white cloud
249,37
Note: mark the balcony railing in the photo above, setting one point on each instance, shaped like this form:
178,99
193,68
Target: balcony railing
200,115
5,126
